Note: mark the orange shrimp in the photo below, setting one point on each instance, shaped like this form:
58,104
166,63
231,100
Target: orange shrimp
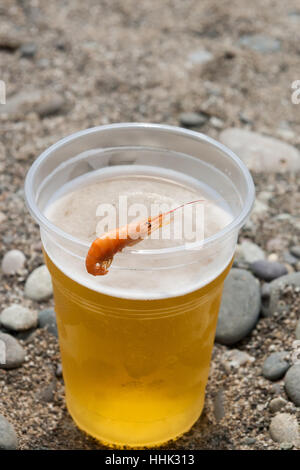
103,249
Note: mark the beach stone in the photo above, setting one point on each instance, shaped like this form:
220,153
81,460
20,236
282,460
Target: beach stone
38,285
240,307
259,208
59,371
289,258
47,319
249,252
284,428
260,43
18,318
297,331
295,250
275,366
275,244
51,106
292,384
9,41
200,56
268,270
8,436
276,287
28,50
261,153
14,353
192,119
277,404
12,262
235,358
219,405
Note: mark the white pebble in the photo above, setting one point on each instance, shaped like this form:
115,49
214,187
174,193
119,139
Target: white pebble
18,318
38,285
12,262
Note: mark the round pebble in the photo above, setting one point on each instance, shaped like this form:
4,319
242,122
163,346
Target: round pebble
276,288
8,437
289,258
234,358
240,307
275,366
284,428
14,354
38,285
260,43
249,252
28,50
277,404
12,262
268,270
18,318
292,384
295,250
192,119
47,319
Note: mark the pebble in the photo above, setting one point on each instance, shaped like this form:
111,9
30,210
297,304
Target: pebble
260,43
12,262
47,319
58,371
240,307
295,250
28,50
248,441
284,428
275,366
200,56
289,258
219,405
9,41
18,318
268,270
2,217
8,437
50,107
249,252
14,352
38,285
277,404
192,119
275,244
235,358
297,331
292,384
259,208
260,153
276,287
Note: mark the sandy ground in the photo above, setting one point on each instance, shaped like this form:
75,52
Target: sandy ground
110,61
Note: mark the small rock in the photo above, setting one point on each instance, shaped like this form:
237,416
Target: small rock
14,353
38,285
2,217
268,270
297,332
50,107
12,262
277,404
47,319
58,372
275,366
259,208
249,252
276,389
216,122
219,409
248,441
276,288
46,395
260,43
265,196
292,384
275,244
240,307
295,250
289,258
9,41
18,318
260,153
200,56
192,119
284,428
235,358
28,50
286,445
8,437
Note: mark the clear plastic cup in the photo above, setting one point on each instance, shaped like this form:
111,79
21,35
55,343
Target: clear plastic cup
136,364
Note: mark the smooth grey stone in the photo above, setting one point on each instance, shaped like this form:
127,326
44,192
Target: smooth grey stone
219,408
8,437
28,50
289,258
295,250
249,252
275,366
47,319
192,119
14,354
292,384
260,43
200,56
284,428
277,404
276,288
18,318
268,270
240,307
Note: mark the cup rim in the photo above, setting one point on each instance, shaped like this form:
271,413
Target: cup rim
235,224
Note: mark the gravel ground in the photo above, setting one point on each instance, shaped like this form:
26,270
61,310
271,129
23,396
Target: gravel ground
134,62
